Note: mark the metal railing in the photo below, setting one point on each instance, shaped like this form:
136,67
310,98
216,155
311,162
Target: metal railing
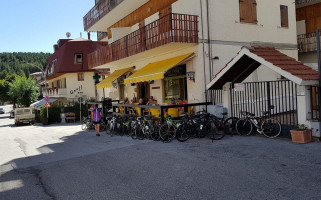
278,97
101,8
298,2
161,108
101,35
307,42
170,28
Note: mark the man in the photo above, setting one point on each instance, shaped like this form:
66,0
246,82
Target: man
140,102
96,117
181,102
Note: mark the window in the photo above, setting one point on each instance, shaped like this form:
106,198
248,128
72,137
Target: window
248,11
78,58
284,16
81,77
175,87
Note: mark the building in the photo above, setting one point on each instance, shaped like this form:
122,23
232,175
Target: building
308,17
68,75
178,48
192,37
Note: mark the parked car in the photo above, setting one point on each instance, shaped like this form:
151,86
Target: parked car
12,114
24,115
1,111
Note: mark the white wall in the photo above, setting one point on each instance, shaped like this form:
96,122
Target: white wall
76,88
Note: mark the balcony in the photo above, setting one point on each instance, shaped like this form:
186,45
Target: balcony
107,12
102,36
172,28
298,2
307,42
55,92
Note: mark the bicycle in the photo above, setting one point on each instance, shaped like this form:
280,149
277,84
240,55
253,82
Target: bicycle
265,125
228,125
167,131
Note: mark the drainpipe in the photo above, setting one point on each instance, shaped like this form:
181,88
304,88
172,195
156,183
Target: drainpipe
209,39
319,70
204,66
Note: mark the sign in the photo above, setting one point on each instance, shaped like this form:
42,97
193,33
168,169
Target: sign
240,87
46,98
80,99
47,105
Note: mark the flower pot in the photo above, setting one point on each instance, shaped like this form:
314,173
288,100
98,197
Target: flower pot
304,136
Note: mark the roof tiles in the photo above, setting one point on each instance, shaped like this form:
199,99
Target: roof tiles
286,63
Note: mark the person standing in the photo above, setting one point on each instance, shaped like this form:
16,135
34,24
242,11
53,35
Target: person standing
96,117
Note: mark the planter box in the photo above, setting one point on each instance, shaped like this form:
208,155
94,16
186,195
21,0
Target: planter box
301,136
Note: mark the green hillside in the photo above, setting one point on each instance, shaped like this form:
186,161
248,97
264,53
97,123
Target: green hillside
18,63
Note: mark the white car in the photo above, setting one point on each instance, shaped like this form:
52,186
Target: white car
24,116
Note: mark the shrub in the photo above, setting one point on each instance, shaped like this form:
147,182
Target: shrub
54,114
76,109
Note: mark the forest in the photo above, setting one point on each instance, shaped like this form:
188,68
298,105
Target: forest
21,63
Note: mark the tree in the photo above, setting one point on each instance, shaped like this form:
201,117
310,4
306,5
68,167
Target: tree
4,89
23,91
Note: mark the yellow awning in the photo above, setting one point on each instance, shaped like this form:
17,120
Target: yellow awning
154,71
108,82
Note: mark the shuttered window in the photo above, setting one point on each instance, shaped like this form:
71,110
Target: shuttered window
248,11
284,16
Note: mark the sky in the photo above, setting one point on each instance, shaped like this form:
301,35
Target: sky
36,25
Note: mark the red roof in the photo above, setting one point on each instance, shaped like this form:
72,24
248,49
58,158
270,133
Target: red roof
65,56
286,63
249,59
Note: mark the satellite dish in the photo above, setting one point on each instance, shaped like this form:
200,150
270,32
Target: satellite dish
68,35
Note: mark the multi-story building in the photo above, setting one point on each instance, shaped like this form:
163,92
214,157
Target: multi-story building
67,72
173,48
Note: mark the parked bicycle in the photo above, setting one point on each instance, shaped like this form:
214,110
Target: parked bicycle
264,125
88,124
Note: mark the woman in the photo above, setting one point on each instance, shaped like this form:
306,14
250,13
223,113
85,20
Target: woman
96,117
126,101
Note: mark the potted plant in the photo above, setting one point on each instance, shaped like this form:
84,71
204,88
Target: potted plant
301,134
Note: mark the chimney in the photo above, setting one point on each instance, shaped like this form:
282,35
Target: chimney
88,35
55,47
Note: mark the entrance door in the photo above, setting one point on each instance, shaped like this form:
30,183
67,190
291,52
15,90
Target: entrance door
143,91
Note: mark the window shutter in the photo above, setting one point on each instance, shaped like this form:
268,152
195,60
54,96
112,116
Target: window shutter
248,11
284,16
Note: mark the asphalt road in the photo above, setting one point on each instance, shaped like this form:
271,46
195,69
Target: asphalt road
62,162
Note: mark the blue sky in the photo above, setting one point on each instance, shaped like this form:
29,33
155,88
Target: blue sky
36,25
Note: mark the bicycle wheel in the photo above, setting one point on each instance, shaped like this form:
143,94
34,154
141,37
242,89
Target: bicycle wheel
84,126
230,125
244,127
212,132
167,132
271,128
183,132
155,132
102,126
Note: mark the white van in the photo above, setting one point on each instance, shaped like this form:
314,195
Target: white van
24,115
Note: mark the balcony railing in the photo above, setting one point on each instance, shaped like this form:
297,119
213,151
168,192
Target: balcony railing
298,2
170,28
101,35
307,42
55,92
101,8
